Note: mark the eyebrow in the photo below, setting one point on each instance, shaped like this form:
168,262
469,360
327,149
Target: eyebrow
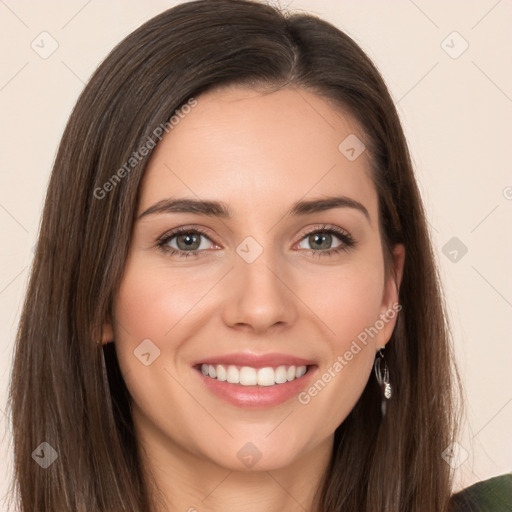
222,210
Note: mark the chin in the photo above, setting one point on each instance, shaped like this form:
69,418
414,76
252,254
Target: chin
258,455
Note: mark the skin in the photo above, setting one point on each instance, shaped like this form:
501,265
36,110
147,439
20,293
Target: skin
259,154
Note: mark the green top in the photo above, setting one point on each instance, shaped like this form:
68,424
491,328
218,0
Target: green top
493,495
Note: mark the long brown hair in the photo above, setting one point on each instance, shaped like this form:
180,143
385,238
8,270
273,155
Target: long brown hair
66,390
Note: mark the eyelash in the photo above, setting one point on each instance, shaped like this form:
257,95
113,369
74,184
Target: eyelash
347,241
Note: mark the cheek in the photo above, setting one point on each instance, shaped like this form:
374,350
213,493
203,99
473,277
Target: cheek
349,300
153,305
151,302
350,307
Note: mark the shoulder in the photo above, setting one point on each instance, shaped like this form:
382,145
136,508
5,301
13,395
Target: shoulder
492,495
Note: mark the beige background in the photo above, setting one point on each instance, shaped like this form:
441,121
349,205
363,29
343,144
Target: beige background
456,110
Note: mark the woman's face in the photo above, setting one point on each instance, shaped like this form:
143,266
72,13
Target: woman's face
280,267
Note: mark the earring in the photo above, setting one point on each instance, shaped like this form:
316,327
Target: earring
383,378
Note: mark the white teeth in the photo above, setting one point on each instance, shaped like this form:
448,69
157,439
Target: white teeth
248,376
221,373
266,377
300,371
233,375
281,375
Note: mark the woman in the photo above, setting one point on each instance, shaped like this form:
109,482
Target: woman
233,303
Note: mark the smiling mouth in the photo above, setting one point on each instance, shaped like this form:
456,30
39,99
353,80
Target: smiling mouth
249,376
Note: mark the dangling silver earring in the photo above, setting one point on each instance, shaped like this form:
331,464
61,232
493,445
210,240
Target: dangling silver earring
383,378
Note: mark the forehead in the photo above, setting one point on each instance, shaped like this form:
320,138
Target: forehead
239,145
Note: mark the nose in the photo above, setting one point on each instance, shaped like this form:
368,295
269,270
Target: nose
259,296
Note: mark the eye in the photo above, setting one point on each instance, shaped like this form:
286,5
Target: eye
323,241
326,241
185,242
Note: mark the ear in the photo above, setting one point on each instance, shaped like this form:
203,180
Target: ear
390,305
107,332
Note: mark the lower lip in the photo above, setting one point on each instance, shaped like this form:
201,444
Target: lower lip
257,396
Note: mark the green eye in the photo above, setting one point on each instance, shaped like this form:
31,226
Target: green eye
320,241
184,242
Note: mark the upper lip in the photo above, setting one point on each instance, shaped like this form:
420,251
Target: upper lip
256,360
